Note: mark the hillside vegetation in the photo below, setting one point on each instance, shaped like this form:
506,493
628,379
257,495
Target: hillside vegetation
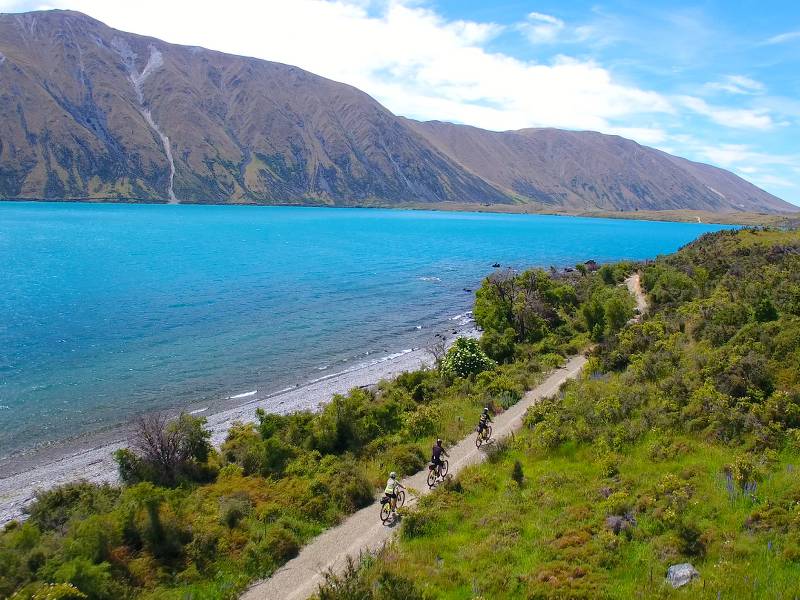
193,522
680,443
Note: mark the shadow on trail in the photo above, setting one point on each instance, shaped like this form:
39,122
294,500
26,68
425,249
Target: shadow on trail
393,522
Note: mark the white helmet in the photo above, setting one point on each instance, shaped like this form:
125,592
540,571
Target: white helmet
392,474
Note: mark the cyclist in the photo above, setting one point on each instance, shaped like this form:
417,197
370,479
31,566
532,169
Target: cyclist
392,486
484,420
436,456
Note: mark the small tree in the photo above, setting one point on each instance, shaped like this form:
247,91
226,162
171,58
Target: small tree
499,346
616,314
765,311
163,451
466,358
595,316
517,474
438,349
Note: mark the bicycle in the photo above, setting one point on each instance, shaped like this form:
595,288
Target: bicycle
386,505
483,436
435,473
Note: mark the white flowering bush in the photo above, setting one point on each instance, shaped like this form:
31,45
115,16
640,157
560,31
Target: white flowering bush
465,358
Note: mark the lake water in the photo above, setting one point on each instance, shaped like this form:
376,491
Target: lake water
110,310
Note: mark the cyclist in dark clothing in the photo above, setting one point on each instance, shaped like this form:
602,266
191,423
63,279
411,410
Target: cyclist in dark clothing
436,456
484,420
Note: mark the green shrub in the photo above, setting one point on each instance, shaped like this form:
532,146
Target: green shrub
278,545
406,459
464,358
52,509
342,486
595,316
275,455
416,523
517,475
233,509
283,542
499,389
57,591
499,346
421,422
691,540
93,538
243,447
93,580
744,472
765,311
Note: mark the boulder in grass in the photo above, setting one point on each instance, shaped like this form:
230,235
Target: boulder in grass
619,523
680,575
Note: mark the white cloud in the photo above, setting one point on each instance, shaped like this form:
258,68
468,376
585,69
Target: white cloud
738,84
644,135
541,28
772,172
413,60
730,155
783,38
740,118
767,180
743,155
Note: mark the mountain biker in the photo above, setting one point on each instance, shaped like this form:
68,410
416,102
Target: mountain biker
436,455
484,420
391,490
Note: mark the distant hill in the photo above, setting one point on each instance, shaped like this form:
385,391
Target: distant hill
91,113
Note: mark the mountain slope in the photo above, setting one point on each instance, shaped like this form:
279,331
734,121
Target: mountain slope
584,170
89,112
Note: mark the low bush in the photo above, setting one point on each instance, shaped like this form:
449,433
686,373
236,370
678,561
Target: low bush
465,358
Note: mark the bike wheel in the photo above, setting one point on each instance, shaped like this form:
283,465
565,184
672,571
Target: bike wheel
445,468
431,477
479,440
386,512
401,498
489,432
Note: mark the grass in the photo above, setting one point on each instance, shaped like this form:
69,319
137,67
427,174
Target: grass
492,538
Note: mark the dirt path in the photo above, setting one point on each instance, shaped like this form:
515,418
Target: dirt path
363,531
634,283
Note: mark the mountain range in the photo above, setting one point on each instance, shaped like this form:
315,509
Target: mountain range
88,112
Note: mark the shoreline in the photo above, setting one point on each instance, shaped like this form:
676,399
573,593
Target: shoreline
91,460
687,215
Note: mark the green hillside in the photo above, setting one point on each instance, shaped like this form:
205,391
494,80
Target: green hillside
679,444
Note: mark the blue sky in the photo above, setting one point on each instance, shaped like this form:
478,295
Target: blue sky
717,82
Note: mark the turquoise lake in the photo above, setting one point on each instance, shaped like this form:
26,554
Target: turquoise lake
110,310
